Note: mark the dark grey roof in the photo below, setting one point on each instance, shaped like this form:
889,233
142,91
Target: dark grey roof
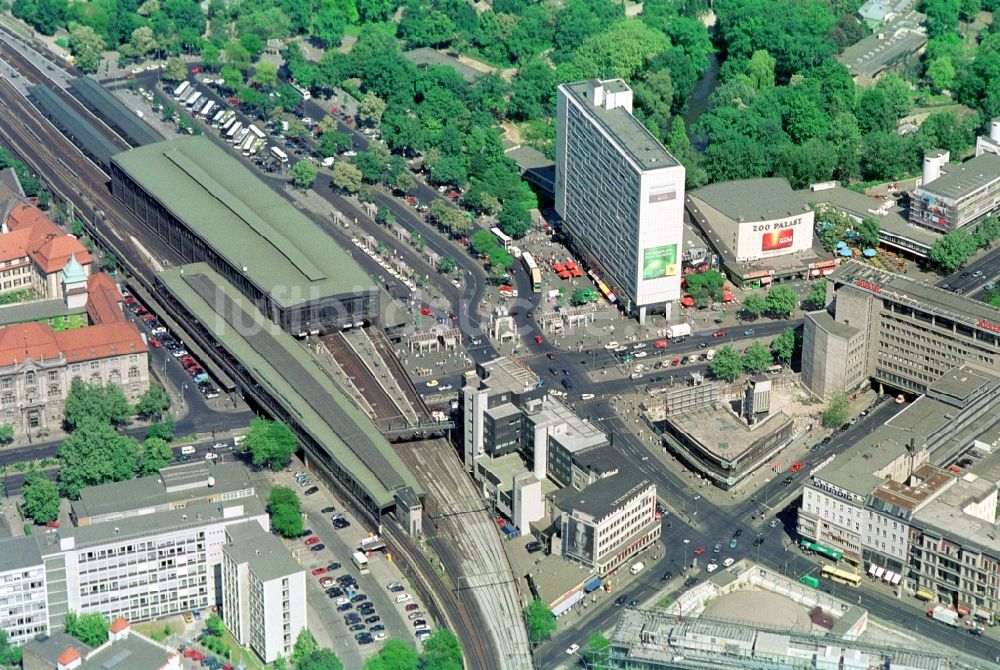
37,310
19,552
825,322
957,181
8,178
84,135
133,652
263,553
752,199
603,496
631,136
50,647
887,45
136,131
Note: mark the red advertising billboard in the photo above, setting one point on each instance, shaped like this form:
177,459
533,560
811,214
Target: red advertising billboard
779,239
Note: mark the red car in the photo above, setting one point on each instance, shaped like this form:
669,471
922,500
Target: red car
312,539
320,570
52,524
796,467
675,362
129,300
141,310
538,339
188,361
722,332
155,343
699,551
425,311
412,606
195,70
660,344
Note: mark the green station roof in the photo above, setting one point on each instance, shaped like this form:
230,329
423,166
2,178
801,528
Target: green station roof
279,249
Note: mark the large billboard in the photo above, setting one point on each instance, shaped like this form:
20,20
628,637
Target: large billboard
578,540
779,239
658,262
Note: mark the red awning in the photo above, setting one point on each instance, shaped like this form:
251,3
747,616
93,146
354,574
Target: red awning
564,274
727,297
558,267
577,272
570,265
687,301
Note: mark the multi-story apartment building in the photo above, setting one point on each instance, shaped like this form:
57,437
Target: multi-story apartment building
23,605
907,333
620,194
37,366
608,522
142,567
263,592
955,196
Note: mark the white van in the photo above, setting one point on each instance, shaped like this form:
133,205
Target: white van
636,568
188,450
403,597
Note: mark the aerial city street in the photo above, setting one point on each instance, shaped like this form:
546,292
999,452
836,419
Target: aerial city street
433,335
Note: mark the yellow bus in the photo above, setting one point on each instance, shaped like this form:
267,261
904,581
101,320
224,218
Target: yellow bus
841,576
854,562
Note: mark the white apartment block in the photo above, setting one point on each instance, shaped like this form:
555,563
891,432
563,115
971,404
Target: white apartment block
607,523
620,194
23,604
263,592
142,567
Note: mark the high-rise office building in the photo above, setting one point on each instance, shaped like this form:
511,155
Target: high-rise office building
620,194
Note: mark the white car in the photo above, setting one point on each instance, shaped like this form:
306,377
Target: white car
641,345
611,345
712,567
572,649
729,561
446,387
379,636
342,601
641,354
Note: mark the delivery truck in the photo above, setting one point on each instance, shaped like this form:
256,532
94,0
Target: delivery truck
679,330
944,614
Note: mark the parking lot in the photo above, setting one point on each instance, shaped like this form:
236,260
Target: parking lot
345,603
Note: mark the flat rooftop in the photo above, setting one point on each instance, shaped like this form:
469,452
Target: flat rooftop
133,652
264,553
292,376
963,179
603,496
962,383
504,468
194,515
175,483
566,428
894,221
751,200
900,500
18,553
506,374
281,251
721,432
631,136
824,320
944,514
907,290
554,576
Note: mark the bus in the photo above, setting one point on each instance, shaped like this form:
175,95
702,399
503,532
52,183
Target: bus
360,562
185,96
217,119
206,111
195,97
226,124
302,90
257,145
504,239
822,550
257,132
242,135
279,154
247,143
233,130
809,580
181,89
532,267
841,576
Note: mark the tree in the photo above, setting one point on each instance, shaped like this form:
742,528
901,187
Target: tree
232,77
757,358
781,301
86,46
514,219
265,75
333,142
284,508
941,73
540,621
597,644
836,412
154,454
305,645
482,241
103,403
237,55
950,252
442,651
214,625
303,174
162,429
816,299
328,25
272,443
153,403
371,109
711,282
868,231
41,498
987,231
321,659
346,176
95,453
6,433
91,629
448,218
394,655
12,655
754,305
783,346
500,258
446,265
726,364
141,43
175,69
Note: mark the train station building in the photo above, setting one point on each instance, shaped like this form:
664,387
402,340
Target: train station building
209,207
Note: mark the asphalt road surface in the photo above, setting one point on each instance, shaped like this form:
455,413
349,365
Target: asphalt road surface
971,279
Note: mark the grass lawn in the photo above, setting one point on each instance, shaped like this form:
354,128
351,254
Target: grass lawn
157,629
238,652
68,322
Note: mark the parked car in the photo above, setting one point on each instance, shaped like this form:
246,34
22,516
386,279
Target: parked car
312,540
317,547
319,571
